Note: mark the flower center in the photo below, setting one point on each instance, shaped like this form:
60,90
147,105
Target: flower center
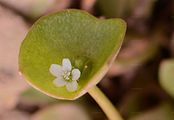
67,76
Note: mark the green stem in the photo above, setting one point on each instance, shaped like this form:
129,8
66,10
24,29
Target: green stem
104,103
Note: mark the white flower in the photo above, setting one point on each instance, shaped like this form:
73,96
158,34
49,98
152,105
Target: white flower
65,75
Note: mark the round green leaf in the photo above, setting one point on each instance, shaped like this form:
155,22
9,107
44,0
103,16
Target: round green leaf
89,43
166,75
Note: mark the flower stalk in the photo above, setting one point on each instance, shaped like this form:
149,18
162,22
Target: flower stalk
104,103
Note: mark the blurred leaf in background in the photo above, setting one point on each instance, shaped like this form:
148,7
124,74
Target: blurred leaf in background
162,112
34,97
64,111
122,8
166,75
36,8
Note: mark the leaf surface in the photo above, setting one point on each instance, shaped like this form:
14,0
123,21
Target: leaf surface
89,43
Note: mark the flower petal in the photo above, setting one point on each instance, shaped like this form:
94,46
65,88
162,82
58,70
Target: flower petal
72,86
59,82
75,74
66,64
56,70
